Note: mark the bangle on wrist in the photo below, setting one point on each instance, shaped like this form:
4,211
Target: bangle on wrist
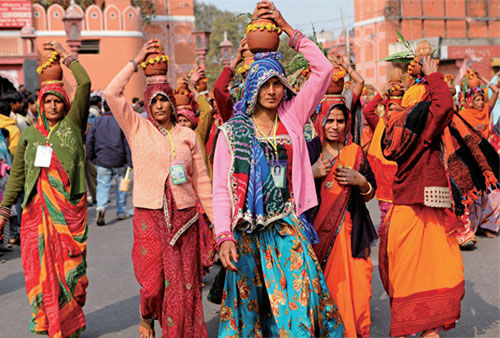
5,213
68,60
368,192
136,69
223,237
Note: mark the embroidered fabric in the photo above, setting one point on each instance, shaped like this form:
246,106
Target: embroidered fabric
437,197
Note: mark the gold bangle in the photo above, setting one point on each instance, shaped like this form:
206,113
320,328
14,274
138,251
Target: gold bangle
368,192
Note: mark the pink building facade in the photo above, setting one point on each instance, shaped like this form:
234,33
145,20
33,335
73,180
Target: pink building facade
110,36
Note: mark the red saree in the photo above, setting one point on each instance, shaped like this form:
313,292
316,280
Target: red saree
53,249
166,257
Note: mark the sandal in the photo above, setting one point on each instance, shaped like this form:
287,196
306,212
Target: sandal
147,328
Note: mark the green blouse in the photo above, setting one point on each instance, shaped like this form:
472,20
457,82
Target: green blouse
66,140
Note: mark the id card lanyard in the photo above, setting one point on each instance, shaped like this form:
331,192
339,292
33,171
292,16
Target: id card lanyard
177,171
275,129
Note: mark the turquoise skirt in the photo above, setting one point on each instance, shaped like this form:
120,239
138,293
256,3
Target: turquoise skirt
279,289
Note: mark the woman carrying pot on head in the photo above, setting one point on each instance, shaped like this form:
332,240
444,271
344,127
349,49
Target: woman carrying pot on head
274,285
419,259
483,212
169,175
48,168
344,182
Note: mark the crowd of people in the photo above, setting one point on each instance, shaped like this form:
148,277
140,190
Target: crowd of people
266,173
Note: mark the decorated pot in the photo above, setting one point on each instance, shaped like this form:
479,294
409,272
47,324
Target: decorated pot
473,82
182,100
156,64
263,36
49,67
335,87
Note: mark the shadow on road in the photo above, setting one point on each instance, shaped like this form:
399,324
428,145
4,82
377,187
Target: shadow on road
113,318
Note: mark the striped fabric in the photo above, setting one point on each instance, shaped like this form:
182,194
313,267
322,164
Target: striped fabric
54,239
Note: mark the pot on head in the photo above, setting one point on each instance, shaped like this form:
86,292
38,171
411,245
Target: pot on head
263,40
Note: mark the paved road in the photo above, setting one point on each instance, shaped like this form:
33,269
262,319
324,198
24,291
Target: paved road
113,294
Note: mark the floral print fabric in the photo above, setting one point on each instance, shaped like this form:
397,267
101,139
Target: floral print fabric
279,289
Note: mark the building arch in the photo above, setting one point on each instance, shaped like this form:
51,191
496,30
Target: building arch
94,18
112,18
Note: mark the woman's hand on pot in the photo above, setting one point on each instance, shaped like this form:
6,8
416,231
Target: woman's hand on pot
56,46
267,10
198,73
227,252
149,47
429,66
238,57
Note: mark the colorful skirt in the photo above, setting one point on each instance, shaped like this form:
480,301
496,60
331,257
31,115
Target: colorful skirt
421,269
169,275
279,289
53,249
349,281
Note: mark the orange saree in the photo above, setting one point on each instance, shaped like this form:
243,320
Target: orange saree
347,278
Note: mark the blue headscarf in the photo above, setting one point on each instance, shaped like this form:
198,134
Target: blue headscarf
264,67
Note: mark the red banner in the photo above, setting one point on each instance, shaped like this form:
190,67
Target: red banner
15,13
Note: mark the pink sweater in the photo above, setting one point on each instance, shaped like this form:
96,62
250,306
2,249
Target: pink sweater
293,114
151,154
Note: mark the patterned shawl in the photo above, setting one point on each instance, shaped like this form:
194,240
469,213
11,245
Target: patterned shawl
471,162
256,201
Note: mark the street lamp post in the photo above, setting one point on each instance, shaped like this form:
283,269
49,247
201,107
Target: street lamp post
201,41
226,48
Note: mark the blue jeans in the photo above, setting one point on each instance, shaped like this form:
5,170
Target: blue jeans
105,178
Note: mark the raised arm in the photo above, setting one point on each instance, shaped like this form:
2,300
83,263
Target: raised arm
205,124
494,91
79,111
311,93
313,90
124,114
222,95
441,108
369,111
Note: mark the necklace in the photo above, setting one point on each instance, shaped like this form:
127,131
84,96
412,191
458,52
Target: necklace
275,125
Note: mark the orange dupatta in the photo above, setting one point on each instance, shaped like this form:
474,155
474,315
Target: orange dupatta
476,118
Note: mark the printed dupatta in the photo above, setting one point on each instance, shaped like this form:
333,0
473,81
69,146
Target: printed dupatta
334,201
255,200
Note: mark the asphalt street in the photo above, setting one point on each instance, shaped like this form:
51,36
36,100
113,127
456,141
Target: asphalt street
112,308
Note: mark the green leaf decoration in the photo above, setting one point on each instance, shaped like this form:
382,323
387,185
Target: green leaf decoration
404,56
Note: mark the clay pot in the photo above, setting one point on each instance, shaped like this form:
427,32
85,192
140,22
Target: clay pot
157,68
263,40
473,82
54,71
335,87
181,100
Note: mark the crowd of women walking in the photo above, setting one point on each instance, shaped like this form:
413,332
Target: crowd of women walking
293,166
